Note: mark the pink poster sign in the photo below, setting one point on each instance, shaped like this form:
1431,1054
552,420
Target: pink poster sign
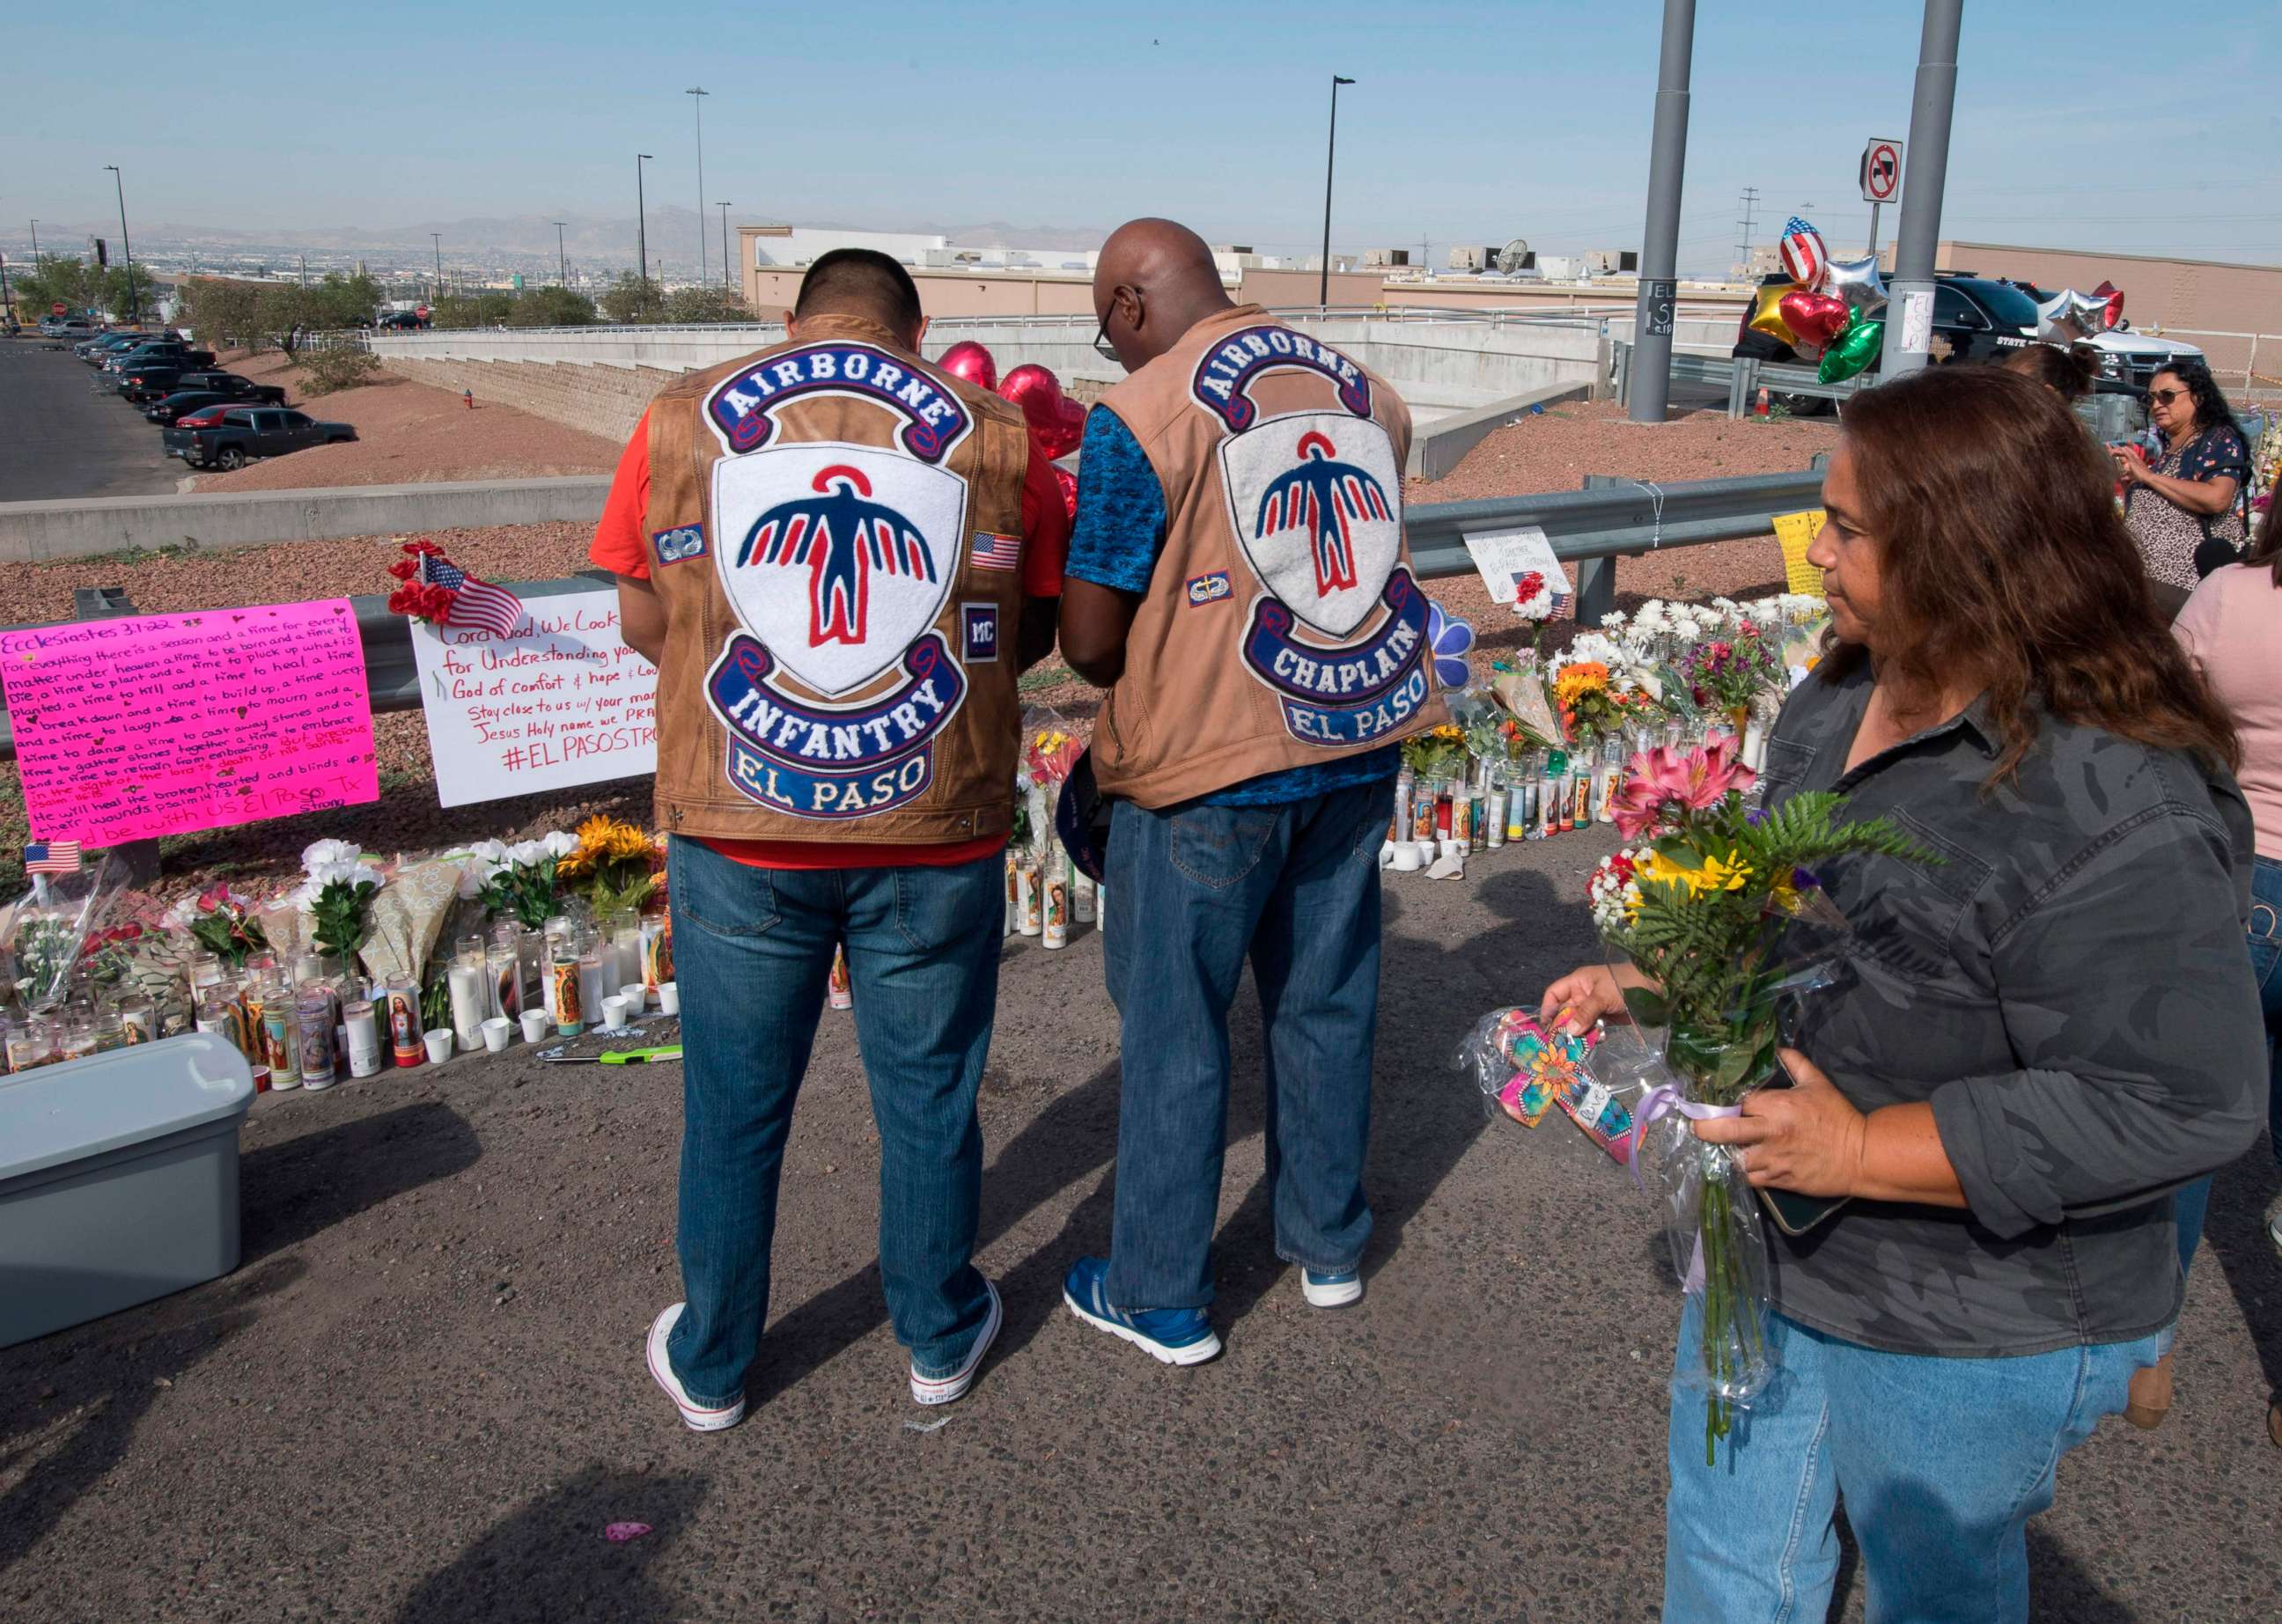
156,725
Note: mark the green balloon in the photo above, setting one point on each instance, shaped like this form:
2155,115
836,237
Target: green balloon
1851,351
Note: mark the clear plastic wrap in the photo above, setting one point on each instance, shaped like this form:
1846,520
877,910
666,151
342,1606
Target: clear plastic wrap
46,930
1525,1069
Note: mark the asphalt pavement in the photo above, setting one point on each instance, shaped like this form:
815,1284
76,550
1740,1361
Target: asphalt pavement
421,1398
59,439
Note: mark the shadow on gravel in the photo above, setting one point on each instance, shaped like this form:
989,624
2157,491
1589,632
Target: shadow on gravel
551,1562
71,1403
2235,1233
293,1189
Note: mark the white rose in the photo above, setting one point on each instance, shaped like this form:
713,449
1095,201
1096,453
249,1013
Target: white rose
324,852
526,853
557,843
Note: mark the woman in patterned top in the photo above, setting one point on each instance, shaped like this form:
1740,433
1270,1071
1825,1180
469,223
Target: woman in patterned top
2182,506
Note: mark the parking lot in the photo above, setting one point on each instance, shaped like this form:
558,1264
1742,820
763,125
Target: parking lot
60,439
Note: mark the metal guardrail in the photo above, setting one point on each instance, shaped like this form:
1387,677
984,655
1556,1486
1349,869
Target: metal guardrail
1612,517
1741,376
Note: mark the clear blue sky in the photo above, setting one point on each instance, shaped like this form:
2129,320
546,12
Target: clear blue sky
2138,126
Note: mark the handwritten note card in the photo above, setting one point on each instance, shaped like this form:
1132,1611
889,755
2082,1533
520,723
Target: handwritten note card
157,725
561,702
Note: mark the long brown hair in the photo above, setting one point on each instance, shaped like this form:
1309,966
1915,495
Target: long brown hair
2001,554
2266,547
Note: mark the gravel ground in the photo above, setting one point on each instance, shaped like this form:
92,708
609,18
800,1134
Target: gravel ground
420,1397
409,433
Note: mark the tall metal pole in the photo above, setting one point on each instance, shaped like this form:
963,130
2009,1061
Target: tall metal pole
1909,309
134,294
696,94
437,237
35,245
562,256
641,225
726,280
1323,284
1659,287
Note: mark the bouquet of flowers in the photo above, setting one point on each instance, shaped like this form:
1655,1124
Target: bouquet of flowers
46,929
1727,673
1048,758
222,922
107,958
1532,602
1721,917
516,881
1521,689
1437,753
420,599
336,895
615,859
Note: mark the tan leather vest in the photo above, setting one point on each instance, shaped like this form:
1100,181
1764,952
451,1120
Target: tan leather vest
1283,625
835,530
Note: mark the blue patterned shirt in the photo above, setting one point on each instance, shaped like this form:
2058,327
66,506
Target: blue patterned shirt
1115,541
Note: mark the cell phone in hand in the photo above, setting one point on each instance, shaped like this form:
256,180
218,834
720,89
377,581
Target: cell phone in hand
1793,1213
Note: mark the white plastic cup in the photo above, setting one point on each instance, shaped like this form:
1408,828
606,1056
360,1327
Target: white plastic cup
440,1046
1386,853
497,1030
614,1012
536,1024
669,998
1406,856
637,997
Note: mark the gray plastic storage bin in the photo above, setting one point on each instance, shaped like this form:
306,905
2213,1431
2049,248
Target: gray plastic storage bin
118,1180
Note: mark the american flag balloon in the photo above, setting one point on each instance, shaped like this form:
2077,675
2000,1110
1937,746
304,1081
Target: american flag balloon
1804,259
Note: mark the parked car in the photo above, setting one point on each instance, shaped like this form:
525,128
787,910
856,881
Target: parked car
174,353
154,382
401,319
1975,320
67,327
246,432
2124,359
95,351
196,389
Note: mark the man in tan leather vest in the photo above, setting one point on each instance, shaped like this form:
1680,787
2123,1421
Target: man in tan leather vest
1238,580
824,549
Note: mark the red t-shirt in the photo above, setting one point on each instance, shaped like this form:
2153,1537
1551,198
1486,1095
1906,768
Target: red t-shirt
619,547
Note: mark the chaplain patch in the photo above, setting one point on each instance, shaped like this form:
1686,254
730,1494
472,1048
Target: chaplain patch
683,541
979,621
1347,694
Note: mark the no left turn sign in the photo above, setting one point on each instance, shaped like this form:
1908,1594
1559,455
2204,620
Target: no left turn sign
1882,170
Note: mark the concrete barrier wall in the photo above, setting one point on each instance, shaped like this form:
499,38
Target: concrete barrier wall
31,531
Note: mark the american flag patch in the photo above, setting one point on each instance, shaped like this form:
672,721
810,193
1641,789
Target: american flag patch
996,552
54,857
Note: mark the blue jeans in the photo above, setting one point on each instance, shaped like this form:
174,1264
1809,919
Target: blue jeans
752,951
2265,938
1193,891
1942,1462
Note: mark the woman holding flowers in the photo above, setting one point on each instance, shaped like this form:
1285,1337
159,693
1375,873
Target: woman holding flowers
2043,1024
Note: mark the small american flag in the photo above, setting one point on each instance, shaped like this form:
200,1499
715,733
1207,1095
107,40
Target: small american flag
996,552
474,603
1561,602
54,857
1803,253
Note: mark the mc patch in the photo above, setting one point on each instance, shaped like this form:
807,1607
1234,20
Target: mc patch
682,542
1211,588
979,628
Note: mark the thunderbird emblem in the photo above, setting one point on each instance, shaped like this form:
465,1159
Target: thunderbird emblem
842,539
1314,500
1327,498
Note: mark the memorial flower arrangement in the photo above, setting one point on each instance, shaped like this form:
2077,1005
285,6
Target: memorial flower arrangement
222,922
420,599
1717,908
517,882
1437,753
1728,673
105,958
1533,604
337,896
617,861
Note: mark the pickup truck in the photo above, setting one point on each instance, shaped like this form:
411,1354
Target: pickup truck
246,432
194,390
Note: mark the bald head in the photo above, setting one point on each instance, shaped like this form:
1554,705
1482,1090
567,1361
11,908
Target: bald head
1154,281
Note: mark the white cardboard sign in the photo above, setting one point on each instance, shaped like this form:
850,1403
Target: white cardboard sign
1504,556
564,701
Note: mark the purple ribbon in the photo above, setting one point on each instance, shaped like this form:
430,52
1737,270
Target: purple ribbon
1660,1102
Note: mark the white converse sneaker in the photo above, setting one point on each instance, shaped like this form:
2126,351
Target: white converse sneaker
945,1389
699,1417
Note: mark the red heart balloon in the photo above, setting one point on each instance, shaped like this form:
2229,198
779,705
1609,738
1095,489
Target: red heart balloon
971,361
1817,317
1056,421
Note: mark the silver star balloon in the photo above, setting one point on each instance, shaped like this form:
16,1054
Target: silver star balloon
1857,282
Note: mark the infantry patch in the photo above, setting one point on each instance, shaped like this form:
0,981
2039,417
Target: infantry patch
683,541
979,625
1224,373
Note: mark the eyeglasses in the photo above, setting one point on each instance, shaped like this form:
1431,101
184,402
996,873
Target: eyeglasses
2163,397
1101,345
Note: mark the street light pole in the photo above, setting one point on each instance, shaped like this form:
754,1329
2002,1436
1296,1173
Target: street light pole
726,280
1910,293
134,294
35,243
437,237
697,94
1324,283
1655,305
561,254
641,224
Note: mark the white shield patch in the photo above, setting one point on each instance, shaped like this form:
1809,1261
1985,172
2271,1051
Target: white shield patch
1316,502
837,557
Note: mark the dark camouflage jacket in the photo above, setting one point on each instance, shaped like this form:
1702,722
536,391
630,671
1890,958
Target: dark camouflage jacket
2070,988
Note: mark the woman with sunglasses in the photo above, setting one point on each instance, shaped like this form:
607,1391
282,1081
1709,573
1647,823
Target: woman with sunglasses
2182,504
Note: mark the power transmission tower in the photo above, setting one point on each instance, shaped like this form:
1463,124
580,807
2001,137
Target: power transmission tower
1750,207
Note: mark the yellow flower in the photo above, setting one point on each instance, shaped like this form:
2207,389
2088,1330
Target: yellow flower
1716,874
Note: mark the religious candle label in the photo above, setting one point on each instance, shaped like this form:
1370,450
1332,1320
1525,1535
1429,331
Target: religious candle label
157,725
564,701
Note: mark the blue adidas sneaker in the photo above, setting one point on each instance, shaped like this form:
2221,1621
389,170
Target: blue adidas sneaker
1174,1335
1330,1288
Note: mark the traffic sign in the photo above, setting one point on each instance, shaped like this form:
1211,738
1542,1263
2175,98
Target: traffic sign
1882,170
59,308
